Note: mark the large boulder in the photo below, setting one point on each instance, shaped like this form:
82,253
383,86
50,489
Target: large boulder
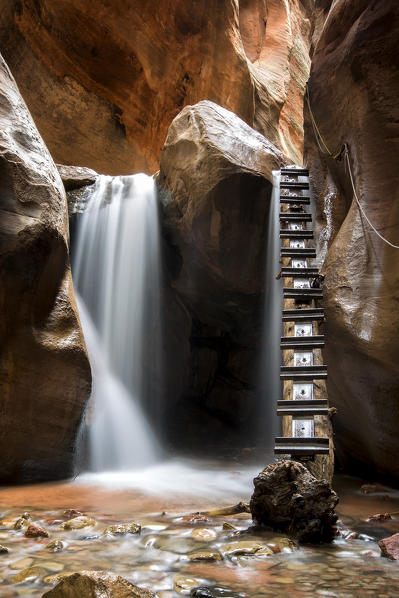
104,80
44,370
215,185
96,584
353,79
288,498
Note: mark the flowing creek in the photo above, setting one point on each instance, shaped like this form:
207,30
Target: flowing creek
163,557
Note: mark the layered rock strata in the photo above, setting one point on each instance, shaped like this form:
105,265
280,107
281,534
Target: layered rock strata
44,370
353,78
104,80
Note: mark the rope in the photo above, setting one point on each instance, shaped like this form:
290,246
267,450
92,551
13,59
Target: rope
361,208
343,152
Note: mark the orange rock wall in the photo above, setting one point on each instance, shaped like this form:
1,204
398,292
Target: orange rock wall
104,80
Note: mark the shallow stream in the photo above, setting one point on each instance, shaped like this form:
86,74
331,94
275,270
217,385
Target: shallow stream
177,551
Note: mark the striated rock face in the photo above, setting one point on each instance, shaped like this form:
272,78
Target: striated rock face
287,497
215,184
353,78
104,80
44,370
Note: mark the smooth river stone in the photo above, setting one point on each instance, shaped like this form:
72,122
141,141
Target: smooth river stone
78,523
29,574
244,547
22,563
183,584
205,555
203,534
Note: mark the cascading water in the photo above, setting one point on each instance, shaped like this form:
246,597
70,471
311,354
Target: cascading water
270,385
116,271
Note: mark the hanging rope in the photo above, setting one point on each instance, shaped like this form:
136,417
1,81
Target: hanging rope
343,152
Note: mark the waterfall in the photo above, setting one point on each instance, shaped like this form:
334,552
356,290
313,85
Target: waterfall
116,271
270,385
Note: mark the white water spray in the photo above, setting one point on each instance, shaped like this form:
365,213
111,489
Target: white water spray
116,270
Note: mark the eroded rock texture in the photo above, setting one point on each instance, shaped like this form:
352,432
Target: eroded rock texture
352,87
44,370
215,185
287,497
104,80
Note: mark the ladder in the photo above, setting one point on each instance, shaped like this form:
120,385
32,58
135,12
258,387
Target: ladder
303,373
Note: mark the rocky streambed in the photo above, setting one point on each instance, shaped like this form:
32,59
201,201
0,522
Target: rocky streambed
159,542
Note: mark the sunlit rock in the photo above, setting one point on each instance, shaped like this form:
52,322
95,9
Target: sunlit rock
105,80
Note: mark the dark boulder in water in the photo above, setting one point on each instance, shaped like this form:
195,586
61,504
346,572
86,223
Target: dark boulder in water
287,497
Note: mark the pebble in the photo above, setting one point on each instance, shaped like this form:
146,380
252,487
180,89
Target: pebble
35,531
3,550
22,563
20,523
121,529
228,526
182,584
71,513
203,535
29,574
205,555
53,566
244,547
54,546
78,523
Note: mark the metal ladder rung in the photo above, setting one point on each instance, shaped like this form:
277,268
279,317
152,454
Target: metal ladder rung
298,252
297,342
301,446
296,234
290,272
293,185
295,216
301,315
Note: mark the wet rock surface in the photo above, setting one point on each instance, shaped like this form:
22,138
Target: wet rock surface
44,370
352,82
96,584
288,497
390,547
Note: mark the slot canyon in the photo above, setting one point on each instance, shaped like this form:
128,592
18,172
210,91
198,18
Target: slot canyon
199,235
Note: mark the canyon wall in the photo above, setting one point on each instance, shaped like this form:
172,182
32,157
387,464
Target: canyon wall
44,370
353,84
104,80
